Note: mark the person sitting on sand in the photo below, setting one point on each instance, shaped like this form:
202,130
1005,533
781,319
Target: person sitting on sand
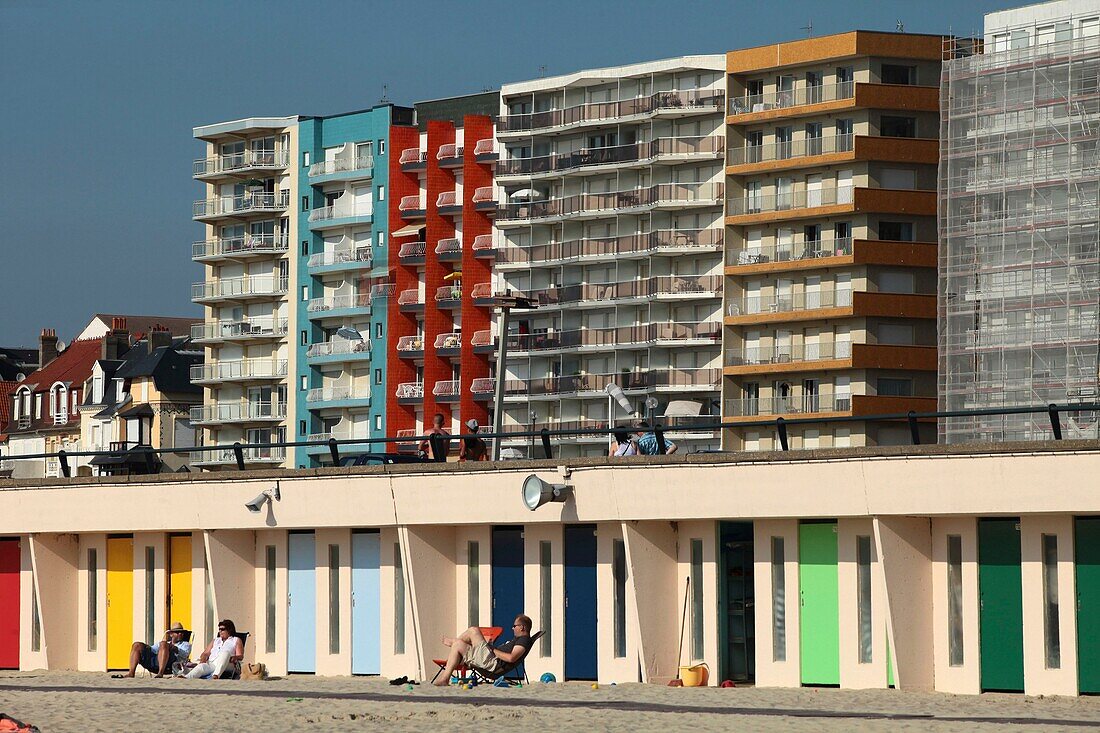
225,649
471,649
159,657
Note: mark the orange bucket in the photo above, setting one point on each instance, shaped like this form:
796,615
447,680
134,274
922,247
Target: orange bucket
696,675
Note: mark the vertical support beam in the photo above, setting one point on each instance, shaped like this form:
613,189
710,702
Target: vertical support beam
498,387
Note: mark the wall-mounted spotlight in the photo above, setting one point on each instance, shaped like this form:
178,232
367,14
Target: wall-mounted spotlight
265,496
537,492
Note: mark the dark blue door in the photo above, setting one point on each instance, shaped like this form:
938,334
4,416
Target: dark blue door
580,602
507,577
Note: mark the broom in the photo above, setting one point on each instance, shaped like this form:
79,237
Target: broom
676,682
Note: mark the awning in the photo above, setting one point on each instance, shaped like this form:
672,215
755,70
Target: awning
138,411
408,231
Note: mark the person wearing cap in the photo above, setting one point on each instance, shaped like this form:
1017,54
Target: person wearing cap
159,657
473,448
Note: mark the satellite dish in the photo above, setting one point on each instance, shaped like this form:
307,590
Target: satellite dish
20,377
651,402
60,346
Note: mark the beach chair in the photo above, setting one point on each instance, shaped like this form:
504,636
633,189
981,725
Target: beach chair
521,676
238,662
489,632
177,663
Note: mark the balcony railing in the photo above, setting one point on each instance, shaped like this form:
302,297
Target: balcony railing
238,412
338,347
236,287
705,379
582,424
227,457
448,292
243,204
342,165
448,341
484,337
481,291
664,193
382,290
786,353
448,151
447,198
753,254
363,255
483,385
337,302
791,149
411,203
694,99
749,406
236,329
486,146
332,394
237,246
274,159
411,296
340,211
484,194
448,388
697,146
676,239
785,303
448,246
239,369
482,242
410,343
410,390
703,286
412,249
412,155
652,333
802,199
792,97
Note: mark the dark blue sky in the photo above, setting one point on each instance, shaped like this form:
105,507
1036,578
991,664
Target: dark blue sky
99,99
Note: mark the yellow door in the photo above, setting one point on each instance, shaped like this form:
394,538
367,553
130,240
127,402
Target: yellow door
120,601
179,581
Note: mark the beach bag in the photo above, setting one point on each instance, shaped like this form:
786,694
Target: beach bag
254,671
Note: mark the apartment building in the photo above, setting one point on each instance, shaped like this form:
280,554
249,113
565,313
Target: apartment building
1019,243
830,306
610,191
249,171
342,317
440,322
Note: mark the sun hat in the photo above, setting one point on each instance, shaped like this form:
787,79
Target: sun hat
176,627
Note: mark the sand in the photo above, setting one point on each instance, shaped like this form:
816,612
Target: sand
83,701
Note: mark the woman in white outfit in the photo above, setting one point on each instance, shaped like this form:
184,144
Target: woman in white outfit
224,649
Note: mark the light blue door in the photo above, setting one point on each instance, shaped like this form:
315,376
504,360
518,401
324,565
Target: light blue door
301,646
366,604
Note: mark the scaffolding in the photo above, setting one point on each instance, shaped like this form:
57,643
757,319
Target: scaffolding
1019,302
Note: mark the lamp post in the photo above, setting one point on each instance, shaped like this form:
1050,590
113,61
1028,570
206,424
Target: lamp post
506,303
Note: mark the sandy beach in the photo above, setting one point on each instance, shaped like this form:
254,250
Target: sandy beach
81,701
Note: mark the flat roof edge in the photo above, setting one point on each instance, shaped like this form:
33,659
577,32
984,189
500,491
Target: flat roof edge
713,62
248,123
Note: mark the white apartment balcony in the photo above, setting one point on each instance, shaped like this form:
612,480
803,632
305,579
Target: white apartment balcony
410,391
483,341
410,346
221,413
339,215
671,103
231,207
449,296
382,290
669,242
751,203
339,396
412,251
413,159
239,288
787,353
661,150
482,293
346,167
485,199
610,339
341,259
337,306
412,206
663,287
227,457
598,205
790,150
233,248
245,329
446,390
410,299
241,163
447,202
239,370
790,405
338,350
449,249
448,152
641,381
448,343
816,94
755,253
485,150
483,387
791,302
483,243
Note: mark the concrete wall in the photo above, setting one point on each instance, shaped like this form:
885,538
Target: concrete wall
55,560
1039,679
904,574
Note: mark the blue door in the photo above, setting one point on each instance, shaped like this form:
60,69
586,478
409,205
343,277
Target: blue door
301,645
507,577
366,604
580,602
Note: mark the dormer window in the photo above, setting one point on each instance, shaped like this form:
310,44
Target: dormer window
59,404
118,390
97,387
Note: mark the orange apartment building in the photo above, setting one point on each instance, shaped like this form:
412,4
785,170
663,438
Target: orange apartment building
830,296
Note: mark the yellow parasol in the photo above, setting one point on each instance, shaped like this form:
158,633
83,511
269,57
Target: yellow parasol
457,275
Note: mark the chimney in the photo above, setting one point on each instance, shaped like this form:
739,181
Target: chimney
47,347
159,336
117,341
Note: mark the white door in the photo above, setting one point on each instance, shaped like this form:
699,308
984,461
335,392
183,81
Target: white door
813,292
364,202
752,297
784,300
843,289
782,346
844,187
784,244
813,190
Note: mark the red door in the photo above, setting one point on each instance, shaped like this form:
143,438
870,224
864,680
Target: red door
9,604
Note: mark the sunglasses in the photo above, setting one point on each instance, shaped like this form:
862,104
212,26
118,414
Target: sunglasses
222,628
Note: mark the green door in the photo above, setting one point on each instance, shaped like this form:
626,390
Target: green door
819,601
1001,620
1087,556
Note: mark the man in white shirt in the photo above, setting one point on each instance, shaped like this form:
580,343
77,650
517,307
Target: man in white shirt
225,649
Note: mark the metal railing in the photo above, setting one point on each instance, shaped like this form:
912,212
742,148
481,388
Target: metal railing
483,385
337,302
790,149
788,302
410,343
339,347
483,337
238,412
482,242
341,211
411,203
448,151
697,146
242,454
653,333
411,296
382,290
450,245
276,159
235,287
754,254
410,390
703,100
243,204
239,369
790,405
346,164
412,155
446,388
648,243
671,193
484,194
702,379
448,292
481,291
787,353
447,198
363,255
236,246
485,146
695,286
332,394
413,249
801,199
448,341
244,328
815,94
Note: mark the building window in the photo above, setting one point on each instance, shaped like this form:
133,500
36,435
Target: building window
93,596
304,384
305,159
378,376
473,583
895,387
1051,641
269,599
305,293
381,195
381,147
377,422
398,601
899,74
779,602
863,597
305,203
892,126
618,570
545,597
305,249
896,231
334,599
697,645
954,601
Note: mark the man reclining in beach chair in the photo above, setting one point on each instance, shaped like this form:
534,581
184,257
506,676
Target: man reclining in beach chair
473,651
162,657
224,650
